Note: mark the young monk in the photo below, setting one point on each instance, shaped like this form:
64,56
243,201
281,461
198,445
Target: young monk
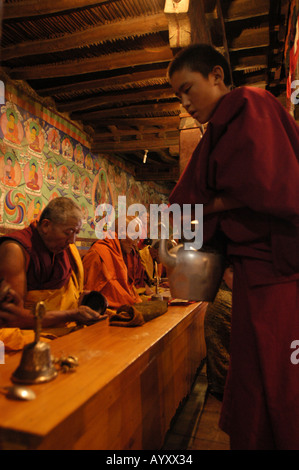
245,172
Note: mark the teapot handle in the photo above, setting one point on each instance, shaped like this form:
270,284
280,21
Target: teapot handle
166,258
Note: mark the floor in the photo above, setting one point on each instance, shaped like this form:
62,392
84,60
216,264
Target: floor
195,426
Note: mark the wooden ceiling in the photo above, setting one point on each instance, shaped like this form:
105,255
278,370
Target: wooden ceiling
104,64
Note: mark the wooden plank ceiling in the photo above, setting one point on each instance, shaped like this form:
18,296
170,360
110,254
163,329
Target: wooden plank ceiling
104,64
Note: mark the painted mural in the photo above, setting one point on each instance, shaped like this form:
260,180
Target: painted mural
43,156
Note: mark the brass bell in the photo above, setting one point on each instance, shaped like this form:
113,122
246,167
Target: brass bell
157,295
36,363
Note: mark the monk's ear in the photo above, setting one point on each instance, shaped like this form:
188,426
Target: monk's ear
44,225
218,74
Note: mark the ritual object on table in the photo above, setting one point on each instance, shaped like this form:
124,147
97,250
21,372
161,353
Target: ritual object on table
36,363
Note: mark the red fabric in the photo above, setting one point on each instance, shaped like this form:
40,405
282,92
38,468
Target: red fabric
45,270
250,152
136,272
260,409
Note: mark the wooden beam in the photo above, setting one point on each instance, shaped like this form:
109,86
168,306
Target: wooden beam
118,136
165,121
224,38
116,131
135,158
156,157
200,31
104,82
255,79
250,68
166,158
177,12
243,9
249,39
132,145
244,60
23,9
157,173
127,110
110,99
94,64
174,150
1,17
95,35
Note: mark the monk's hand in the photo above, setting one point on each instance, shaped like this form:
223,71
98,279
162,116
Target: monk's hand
14,316
8,295
11,311
86,315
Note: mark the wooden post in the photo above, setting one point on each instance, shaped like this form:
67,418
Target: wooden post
187,25
190,135
177,12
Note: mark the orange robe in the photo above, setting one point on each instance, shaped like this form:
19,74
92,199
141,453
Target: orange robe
106,272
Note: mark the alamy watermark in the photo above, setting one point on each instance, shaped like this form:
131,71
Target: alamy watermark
295,94
2,353
295,354
2,92
161,222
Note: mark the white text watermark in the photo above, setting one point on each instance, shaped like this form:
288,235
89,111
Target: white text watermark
2,92
161,222
2,353
295,354
295,94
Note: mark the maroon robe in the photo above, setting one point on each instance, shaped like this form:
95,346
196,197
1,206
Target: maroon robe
250,152
136,272
44,269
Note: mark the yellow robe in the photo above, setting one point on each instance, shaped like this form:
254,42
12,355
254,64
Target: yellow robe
147,261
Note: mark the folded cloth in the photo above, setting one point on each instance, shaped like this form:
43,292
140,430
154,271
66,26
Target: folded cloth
15,339
138,314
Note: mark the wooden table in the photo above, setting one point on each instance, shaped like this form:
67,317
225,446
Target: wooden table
124,393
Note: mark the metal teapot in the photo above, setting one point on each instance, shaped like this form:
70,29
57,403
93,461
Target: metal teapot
192,274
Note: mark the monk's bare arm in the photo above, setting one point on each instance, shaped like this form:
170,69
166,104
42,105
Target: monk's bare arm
13,267
13,272
12,311
14,316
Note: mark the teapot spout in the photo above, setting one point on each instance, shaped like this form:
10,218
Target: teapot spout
166,258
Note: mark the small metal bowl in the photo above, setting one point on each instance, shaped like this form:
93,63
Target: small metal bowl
96,301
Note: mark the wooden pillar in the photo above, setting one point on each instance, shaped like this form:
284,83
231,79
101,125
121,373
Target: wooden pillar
187,24
177,12
190,135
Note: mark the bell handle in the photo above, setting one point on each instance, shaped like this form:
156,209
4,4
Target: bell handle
39,313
